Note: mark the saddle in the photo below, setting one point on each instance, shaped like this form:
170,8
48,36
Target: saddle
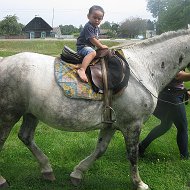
116,66
108,73
70,56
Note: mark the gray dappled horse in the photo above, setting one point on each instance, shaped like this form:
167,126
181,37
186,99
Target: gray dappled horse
28,88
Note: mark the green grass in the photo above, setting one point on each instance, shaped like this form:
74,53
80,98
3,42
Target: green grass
161,168
48,47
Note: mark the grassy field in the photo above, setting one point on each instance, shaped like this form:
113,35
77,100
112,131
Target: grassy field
161,168
48,47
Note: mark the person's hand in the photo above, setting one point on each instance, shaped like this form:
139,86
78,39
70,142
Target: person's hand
188,92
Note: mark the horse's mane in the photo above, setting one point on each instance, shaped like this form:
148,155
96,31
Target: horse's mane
157,39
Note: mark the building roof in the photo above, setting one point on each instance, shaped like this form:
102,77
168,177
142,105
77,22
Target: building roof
37,24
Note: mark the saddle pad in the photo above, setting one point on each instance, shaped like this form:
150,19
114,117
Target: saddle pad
68,79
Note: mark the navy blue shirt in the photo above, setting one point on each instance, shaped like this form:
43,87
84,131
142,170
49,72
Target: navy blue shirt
89,31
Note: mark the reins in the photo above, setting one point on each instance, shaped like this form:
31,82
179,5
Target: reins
139,81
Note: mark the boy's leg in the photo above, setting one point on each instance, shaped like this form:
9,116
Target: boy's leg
86,61
89,54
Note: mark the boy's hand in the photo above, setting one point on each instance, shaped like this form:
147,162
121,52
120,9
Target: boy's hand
104,47
98,44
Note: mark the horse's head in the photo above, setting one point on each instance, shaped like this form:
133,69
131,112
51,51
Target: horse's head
156,61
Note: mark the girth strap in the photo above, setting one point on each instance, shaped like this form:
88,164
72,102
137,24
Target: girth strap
107,112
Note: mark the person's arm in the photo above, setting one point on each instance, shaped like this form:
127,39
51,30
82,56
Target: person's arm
97,43
183,76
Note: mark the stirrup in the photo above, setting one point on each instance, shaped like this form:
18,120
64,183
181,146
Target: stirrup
111,121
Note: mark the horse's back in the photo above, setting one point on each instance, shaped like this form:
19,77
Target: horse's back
24,60
25,66
22,76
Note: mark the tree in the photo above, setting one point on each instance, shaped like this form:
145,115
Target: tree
68,29
170,14
132,27
177,15
106,25
10,26
156,7
112,28
80,28
150,25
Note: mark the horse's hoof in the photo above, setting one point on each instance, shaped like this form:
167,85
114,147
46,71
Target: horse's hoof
4,185
48,176
76,177
143,186
75,181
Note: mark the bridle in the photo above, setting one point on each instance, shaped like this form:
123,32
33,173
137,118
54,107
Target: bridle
165,101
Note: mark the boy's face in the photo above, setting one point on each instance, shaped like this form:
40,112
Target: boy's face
95,17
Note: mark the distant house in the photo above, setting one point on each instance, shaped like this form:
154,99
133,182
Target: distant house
37,28
56,32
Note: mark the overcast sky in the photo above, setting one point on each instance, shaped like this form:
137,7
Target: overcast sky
72,11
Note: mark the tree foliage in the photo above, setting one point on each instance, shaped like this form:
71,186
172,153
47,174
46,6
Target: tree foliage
10,26
106,25
112,28
156,7
132,27
170,14
80,28
68,29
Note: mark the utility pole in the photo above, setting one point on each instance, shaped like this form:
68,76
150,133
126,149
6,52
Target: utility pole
53,18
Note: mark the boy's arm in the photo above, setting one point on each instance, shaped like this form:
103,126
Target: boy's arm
97,43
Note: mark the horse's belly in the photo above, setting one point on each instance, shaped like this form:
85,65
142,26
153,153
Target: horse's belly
75,124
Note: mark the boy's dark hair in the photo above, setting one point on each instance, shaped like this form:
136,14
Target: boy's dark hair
94,8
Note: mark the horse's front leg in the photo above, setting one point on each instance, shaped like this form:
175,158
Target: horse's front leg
26,135
104,138
131,136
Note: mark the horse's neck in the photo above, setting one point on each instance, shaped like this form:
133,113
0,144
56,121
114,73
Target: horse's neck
157,64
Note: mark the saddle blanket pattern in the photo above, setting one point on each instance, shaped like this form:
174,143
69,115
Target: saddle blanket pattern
68,79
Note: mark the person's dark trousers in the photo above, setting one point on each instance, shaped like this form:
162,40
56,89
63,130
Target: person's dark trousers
169,114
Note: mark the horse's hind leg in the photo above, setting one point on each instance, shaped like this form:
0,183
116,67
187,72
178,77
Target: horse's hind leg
104,138
5,129
26,135
131,136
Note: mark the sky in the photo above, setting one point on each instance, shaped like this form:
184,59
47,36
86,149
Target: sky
74,12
